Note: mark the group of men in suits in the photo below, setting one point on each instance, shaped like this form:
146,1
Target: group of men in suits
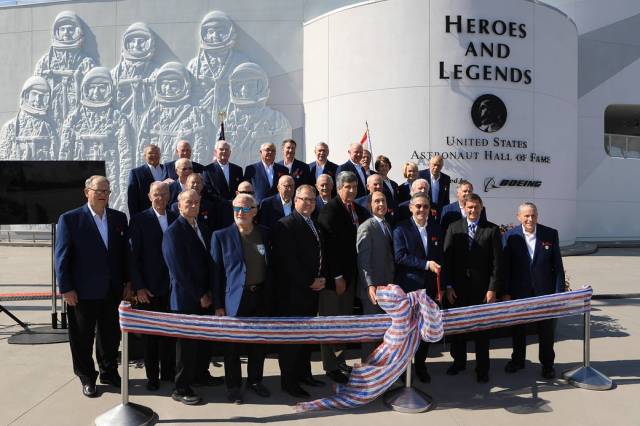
267,242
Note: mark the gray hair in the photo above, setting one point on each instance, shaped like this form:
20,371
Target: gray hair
326,176
305,187
186,193
249,197
159,185
415,183
420,195
183,162
527,204
345,177
95,178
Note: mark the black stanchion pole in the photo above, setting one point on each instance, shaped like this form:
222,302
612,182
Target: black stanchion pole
54,301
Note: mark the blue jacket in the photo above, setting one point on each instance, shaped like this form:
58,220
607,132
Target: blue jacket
189,264
271,210
171,168
411,259
526,277
83,263
140,180
329,169
216,184
299,172
257,176
349,167
147,267
230,269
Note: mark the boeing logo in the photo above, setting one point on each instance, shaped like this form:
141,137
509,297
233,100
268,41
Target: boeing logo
490,183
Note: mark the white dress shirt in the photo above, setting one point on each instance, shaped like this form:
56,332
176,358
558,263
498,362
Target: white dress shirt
424,236
360,172
462,211
225,171
530,239
102,224
162,218
288,166
269,171
157,172
435,188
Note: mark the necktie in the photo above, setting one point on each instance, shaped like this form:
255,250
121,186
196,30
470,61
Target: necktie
315,233
472,233
197,231
387,232
354,218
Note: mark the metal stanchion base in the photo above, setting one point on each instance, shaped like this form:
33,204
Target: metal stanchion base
40,336
587,378
127,415
408,400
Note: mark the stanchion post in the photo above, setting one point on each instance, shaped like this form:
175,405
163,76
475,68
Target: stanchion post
587,377
408,399
54,302
127,413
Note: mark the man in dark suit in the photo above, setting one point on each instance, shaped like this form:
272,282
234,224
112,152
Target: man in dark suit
353,166
184,168
376,183
190,272
533,267
242,287
301,260
140,180
472,271
277,206
222,177
297,169
150,279
403,211
339,221
325,189
322,165
91,270
374,244
183,150
264,174
438,183
454,211
418,255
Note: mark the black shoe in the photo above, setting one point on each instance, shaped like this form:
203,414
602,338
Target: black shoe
513,366
310,381
423,375
111,379
345,368
549,373
296,391
234,396
153,385
208,380
455,369
338,376
187,398
89,390
259,389
482,377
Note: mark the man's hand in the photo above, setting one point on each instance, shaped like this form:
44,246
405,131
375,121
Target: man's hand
220,312
341,285
205,301
127,292
506,297
144,295
372,294
71,297
434,267
451,295
491,296
318,284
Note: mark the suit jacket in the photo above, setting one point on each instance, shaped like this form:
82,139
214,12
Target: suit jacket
349,167
451,213
299,260
329,169
83,263
257,176
147,267
229,268
174,190
394,193
189,264
375,256
171,168
140,180
300,172
216,184
411,259
527,277
473,271
215,213
390,217
271,210
404,192
443,193
340,233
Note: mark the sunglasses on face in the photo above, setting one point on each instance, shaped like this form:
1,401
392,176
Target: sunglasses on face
238,209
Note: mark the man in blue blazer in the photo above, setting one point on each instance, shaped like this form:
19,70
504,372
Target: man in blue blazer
141,177
242,287
264,174
298,170
438,183
325,190
418,248
403,212
322,165
278,206
183,150
91,270
222,177
353,166
150,279
533,267
454,211
190,273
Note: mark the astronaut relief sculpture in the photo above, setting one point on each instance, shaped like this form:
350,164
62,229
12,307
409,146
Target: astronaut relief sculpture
73,110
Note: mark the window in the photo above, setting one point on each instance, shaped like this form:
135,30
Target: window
622,131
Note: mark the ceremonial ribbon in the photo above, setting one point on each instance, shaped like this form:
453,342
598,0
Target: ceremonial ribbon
410,317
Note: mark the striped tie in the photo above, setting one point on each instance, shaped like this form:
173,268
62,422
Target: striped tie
472,233
315,233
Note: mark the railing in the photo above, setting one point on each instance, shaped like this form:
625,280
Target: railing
622,146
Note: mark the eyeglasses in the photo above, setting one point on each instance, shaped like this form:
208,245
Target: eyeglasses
100,191
421,206
238,209
246,192
306,200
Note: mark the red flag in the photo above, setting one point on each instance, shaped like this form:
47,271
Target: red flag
365,138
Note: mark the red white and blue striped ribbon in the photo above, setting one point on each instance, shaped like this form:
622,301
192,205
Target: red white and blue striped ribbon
409,317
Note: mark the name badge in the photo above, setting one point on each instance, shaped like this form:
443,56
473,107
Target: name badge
261,249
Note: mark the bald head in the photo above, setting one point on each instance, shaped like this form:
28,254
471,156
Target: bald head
355,152
375,183
183,149
286,185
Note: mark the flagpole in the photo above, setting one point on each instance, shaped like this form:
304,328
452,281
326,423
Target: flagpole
369,138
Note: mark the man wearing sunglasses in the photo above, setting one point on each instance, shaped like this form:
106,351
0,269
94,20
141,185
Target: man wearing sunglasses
242,287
